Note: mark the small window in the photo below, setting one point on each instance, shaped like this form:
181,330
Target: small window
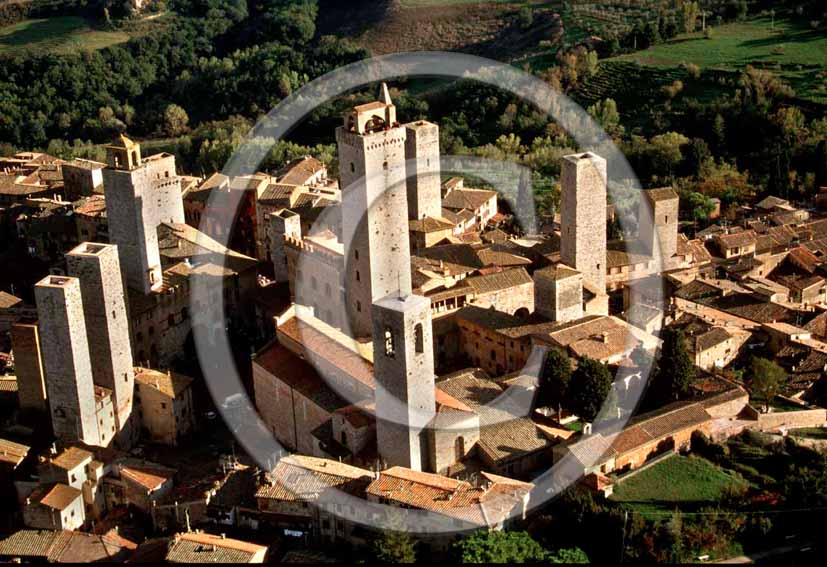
493,355
327,289
171,320
163,405
358,276
352,167
385,165
419,339
356,253
313,283
359,306
390,349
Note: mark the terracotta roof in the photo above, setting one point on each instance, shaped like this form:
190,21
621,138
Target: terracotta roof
58,497
12,453
709,339
662,194
171,384
471,386
430,224
511,439
471,199
8,300
771,202
199,547
597,337
8,384
557,272
149,477
303,478
740,239
72,458
499,281
300,171
33,543
485,505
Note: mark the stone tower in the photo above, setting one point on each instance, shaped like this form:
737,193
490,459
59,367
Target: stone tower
658,225
140,195
423,182
374,208
558,293
66,359
282,223
104,306
403,361
28,365
583,218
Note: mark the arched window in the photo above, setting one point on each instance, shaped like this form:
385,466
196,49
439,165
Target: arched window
389,346
419,340
459,448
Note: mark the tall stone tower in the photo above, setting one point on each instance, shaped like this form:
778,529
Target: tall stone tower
104,306
658,224
583,218
403,359
28,365
140,195
66,360
374,208
423,182
282,223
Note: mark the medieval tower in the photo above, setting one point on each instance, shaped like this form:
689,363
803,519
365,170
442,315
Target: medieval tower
583,219
140,195
101,284
374,208
423,182
403,358
658,225
66,360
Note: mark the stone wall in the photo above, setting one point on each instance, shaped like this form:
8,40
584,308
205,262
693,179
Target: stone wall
28,366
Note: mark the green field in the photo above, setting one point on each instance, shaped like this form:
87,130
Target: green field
788,47
677,482
55,35
810,432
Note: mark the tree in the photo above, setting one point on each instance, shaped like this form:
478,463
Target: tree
175,120
554,378
569,556
394,547
765,379
606,114
589,388
500,547
689,13
676,371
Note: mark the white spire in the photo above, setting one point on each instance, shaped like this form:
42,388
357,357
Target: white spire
384,94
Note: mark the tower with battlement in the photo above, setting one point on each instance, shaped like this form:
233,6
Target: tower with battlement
141,193
374,208
67,364
104,306
583,219
403,358
423,182
282,223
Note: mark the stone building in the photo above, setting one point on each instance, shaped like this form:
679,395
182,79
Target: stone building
164,405
558,293
82,178
658,225
404,371
28,366
66,361
107,324
140,194
374,208
423,180
583,222
200,547
55,507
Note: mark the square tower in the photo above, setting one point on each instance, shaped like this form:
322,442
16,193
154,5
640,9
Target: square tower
403,363
66,360
283,224
658,225
104,306
374,208
583,218
423,182
28,365
558,293
140,195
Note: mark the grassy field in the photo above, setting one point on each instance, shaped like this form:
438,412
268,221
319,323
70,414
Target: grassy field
788,47
678,482
810,432
55,35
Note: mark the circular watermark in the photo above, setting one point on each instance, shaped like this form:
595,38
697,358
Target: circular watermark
513,182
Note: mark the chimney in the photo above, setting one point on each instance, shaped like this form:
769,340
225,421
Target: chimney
604,337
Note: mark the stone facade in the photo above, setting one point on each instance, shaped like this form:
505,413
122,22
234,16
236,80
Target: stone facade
82,178
558,293
69,383
107,324
140,195
165,407
283,223
423,182
28,365
404,373
583,218
658,225
374,208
